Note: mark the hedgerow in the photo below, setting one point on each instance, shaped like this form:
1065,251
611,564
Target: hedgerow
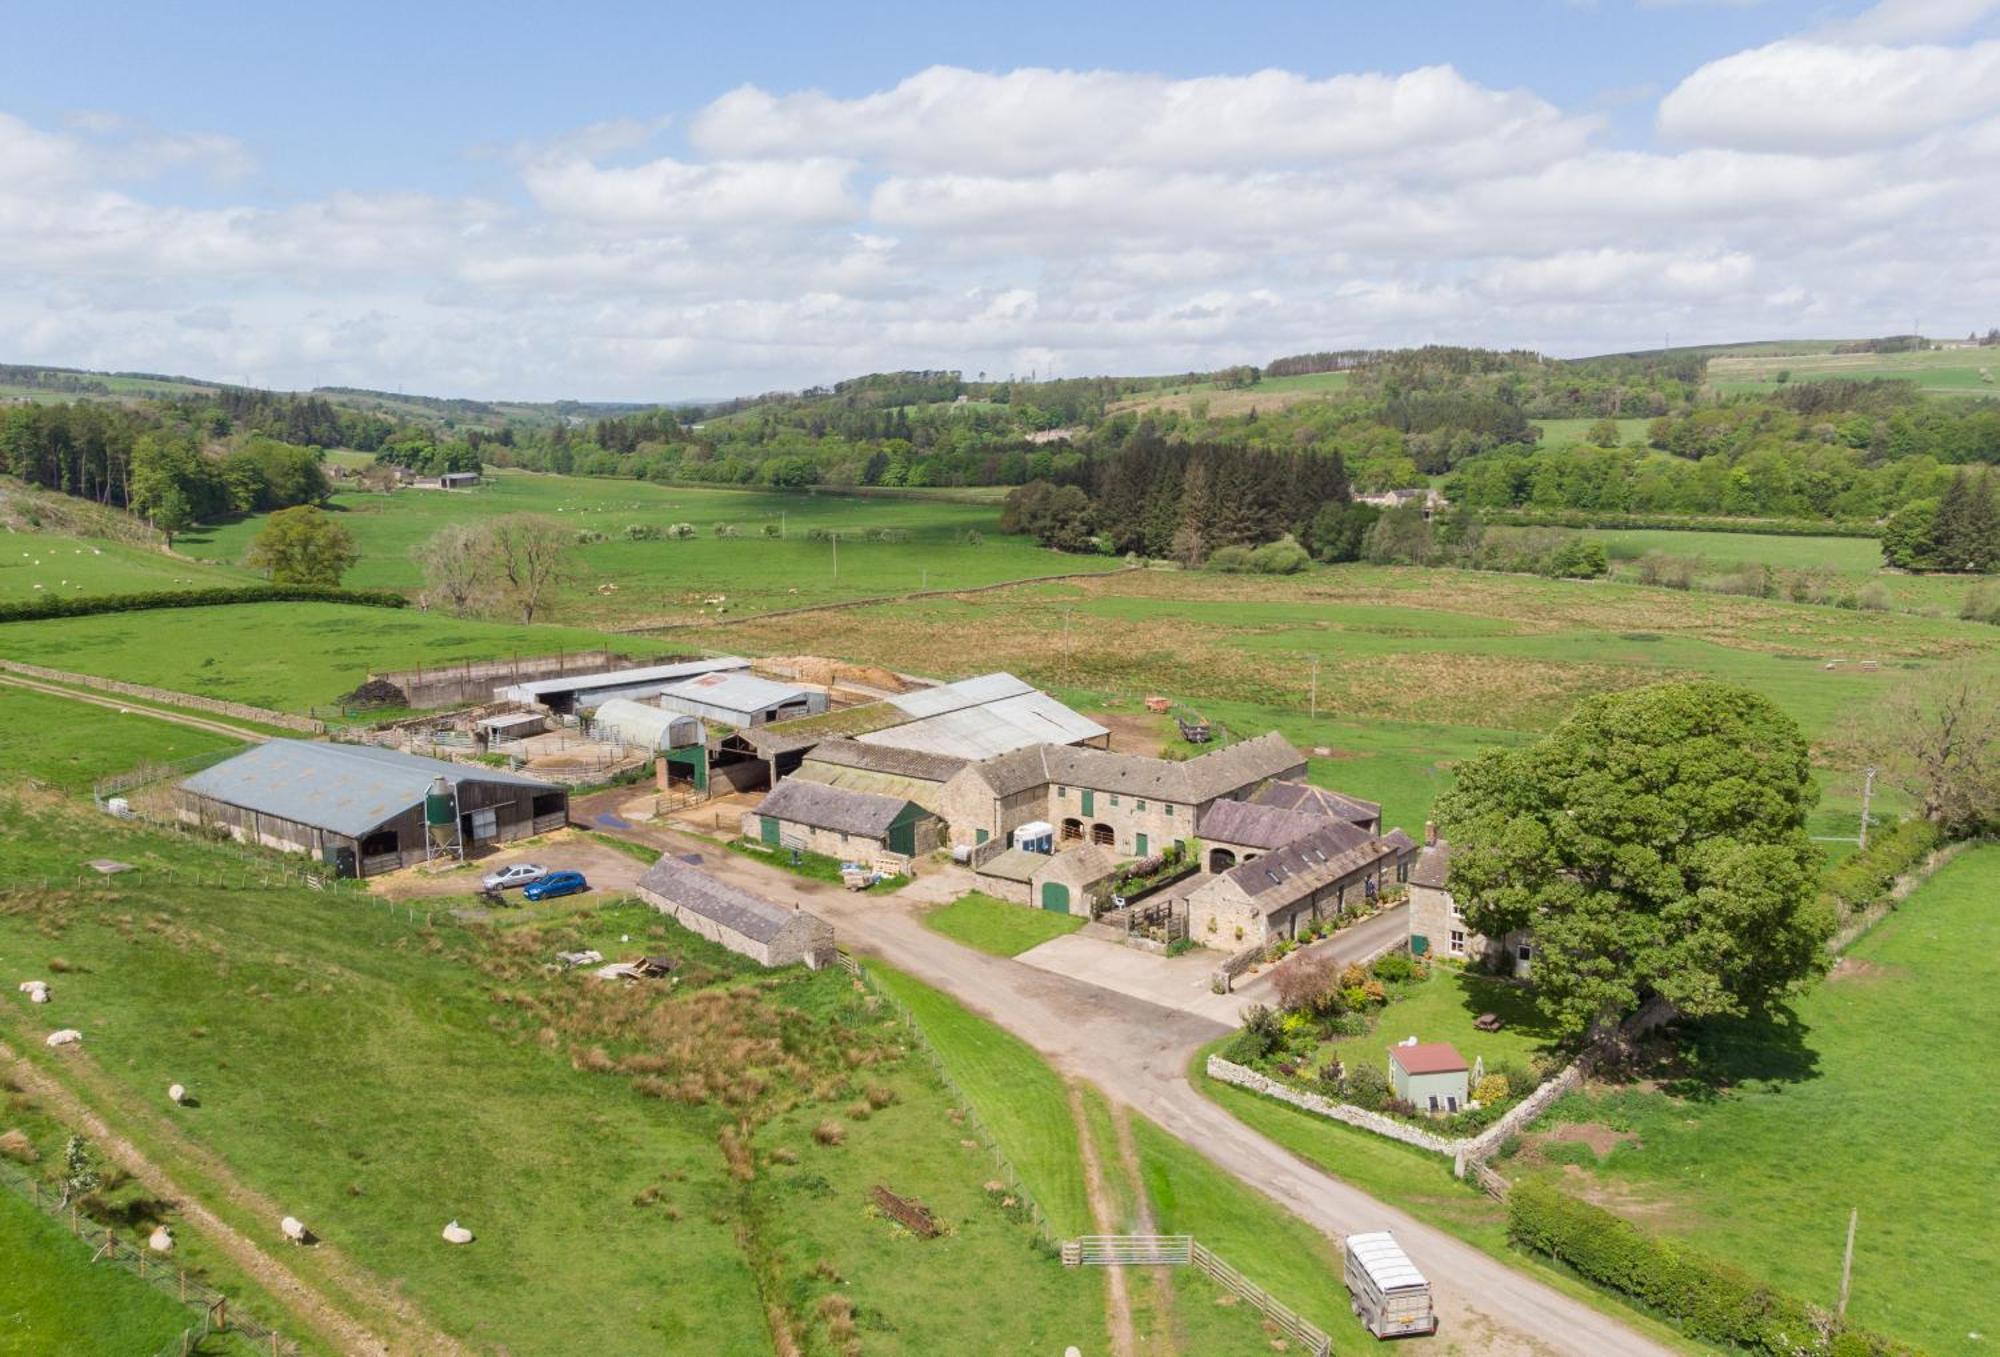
1706,1299
36,609
1863,878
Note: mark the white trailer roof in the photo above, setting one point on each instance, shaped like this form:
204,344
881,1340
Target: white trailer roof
1385,1262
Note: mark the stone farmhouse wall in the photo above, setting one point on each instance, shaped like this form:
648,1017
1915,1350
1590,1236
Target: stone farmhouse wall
1231,1073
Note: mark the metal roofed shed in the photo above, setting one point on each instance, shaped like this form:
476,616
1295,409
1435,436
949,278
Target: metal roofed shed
741,699
1390,1295
582,692
980,718
768,933
626,722
361,808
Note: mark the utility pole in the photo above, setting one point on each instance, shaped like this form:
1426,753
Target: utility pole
1867,796
836,555
1315,688
781,525
1847,1263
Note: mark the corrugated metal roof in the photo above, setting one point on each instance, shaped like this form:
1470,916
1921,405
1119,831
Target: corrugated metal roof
1383,1259
970,692
737,692
678,883
613,679
342,788
635,723
988,729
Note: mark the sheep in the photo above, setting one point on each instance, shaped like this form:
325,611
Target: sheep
36,990
68,1036
295,1230
176,1094
161,1240
454,1233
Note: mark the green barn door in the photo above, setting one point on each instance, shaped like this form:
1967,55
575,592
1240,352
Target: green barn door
903,839
770,829
1140,844
1055,895
1089,802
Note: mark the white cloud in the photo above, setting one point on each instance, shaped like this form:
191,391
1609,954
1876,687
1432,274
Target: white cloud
1801,95
670,194
1910,21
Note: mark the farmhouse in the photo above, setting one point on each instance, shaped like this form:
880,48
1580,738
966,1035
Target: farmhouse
1128,803
768,933
1431,1076
1320,874
1070,882
1438,926
361,809
741,699
570,693
841,823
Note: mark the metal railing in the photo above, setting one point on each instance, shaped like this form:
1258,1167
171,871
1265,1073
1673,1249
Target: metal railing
1180,1250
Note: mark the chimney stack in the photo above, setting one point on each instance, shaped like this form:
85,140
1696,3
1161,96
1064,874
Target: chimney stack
1430,834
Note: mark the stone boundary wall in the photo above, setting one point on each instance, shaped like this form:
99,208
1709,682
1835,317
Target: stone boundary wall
242,711
1465,1151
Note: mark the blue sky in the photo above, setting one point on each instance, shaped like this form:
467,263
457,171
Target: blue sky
633,201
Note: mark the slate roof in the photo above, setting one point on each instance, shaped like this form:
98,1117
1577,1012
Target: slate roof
1429,1057
1213,774
1327,855
1083,865
1432,865
345,789
1254,826
800,801
877,758
1303,796
679,883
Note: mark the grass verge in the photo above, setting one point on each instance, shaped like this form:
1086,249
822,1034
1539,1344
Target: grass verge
997,926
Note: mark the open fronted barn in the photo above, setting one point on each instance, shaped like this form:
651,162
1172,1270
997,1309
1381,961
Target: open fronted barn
361,809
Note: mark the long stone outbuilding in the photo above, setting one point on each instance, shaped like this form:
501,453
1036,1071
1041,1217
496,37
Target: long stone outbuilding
768,933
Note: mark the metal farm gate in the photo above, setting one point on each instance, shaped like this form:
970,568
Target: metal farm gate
1127,1250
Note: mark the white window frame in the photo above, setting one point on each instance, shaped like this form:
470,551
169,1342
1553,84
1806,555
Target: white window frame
1457,942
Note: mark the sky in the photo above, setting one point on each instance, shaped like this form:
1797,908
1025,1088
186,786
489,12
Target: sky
650,201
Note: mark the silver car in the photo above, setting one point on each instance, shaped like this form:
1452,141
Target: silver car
520,874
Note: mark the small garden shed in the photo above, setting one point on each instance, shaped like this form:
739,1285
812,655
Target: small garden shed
1431,1076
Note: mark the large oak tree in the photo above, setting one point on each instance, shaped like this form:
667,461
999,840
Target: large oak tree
1655,843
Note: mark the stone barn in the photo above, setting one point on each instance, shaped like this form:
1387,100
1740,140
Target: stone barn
768,933
841,823
360,809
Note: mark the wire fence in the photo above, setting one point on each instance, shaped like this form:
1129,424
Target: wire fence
973,1121
214,1313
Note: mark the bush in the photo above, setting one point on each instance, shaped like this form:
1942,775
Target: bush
1367,1087
1395,967
772,530
197,598
1492,1089
1581,559
1706,1299
725,530
1668,572
1873,598
1282,557
681,532
1863,878
642,532
588,537
1230,560
1981,604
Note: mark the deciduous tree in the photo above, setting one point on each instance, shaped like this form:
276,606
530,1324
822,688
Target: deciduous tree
303,546
529,555
1654,843
454,561
1939,740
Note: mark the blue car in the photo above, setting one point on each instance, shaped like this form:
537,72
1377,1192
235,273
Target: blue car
554,884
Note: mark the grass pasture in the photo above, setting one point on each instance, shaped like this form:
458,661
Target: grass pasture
999,926
36,566
1857,560
629,1190
624,582
1940,372
1561,433
53,1299
1873,1093
1442,1008
71,744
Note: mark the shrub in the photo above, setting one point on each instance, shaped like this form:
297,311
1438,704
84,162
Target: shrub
829,1133
1668,572
681,532
1230,560
1706,1299
588,537
1282,557
1863,878
197,598
1981,604
1492,1089
1581,559
1395,967
1521,1081
975,538
725,530
642,532
771,530
1305,986
1367,1086
1874,597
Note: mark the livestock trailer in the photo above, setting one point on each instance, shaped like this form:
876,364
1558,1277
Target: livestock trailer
1389,1294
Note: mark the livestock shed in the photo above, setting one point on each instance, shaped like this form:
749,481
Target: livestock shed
768,933
741,699
903,773
586,692
841,823
623,721
979,718
360,808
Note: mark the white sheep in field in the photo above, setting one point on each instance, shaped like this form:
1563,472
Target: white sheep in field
176,1094
36,990
161,1240
68,1036
454,1233
295,1230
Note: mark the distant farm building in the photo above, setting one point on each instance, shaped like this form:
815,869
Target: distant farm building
741,699
362,809
623,721
458,480
768,933
573,693
841,823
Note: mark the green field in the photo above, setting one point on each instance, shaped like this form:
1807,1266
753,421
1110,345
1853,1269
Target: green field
1558,433
53,1299
1855,559
585,1133
625,582
1764,1133
1944,372
36,566
1442,1008
71,744
999,926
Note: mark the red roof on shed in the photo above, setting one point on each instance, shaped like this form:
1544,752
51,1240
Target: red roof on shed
1431,1057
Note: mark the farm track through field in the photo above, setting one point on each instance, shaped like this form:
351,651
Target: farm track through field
1124,1339
409,1331
213,727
